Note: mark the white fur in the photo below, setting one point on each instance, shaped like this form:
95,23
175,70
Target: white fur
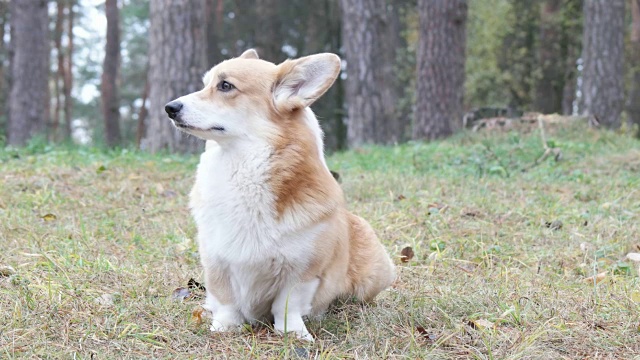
238,230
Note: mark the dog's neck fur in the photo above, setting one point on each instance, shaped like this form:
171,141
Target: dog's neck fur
293,166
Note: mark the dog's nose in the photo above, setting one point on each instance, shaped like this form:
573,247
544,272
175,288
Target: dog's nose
173,108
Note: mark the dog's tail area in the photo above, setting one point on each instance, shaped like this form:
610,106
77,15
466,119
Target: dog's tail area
370,268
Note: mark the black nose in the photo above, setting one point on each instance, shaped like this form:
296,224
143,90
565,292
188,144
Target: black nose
173,108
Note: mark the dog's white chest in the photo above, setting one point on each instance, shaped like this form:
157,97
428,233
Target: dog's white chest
238,230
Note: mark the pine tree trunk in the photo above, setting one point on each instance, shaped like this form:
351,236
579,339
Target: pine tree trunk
633,102
59,76
549,88
371,94
67,83
440,68
29,98
4,11
178,59
603,49
109,89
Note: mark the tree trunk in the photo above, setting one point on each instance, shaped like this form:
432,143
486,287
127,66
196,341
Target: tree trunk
67,83
178,59
109,89
603,49
29,98
370,51
549,88
440,68
142,114
268,39
59,76
4,11
633,102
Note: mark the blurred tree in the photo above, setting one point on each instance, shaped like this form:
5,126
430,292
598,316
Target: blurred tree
486,80
215,18
4,19
178,59
370,49
517,60
109,86
29,98
59,74
323,35
268,39
440,68
67,83
633,101
602,54
571,43
549,87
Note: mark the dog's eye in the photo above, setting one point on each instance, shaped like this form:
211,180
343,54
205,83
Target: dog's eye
225,86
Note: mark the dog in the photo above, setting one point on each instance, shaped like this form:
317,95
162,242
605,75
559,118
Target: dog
275,239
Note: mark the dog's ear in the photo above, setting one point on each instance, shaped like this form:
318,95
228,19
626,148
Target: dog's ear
302,81
249,54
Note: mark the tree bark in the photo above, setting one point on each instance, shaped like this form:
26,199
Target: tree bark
29,98
440,68
4,11
178,59
142,114
549,88
633,102
109,89
603,49
67,83
59,76
371,94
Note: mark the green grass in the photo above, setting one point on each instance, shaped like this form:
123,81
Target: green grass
490,279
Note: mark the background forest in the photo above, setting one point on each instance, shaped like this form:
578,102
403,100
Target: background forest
99,73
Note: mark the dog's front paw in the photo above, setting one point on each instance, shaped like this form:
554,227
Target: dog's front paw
224,321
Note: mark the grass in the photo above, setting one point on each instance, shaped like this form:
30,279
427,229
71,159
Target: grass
100,240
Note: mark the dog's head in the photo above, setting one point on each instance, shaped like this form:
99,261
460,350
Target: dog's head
245,97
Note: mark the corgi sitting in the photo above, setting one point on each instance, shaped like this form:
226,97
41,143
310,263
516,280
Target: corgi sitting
275,238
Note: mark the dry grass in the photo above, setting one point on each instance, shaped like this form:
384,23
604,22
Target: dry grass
491,277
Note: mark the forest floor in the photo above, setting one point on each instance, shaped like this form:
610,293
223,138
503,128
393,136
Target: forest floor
95,246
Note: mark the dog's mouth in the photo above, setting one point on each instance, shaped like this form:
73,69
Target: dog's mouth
184,126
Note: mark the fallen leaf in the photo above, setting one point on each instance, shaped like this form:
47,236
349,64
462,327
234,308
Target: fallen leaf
193,285
49,217
633,256
6,271
400,197
596,279
406,254
181,293
100,169
105,300
467,212
481,324
196,315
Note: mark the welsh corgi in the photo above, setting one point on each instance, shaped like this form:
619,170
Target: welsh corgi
275,239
